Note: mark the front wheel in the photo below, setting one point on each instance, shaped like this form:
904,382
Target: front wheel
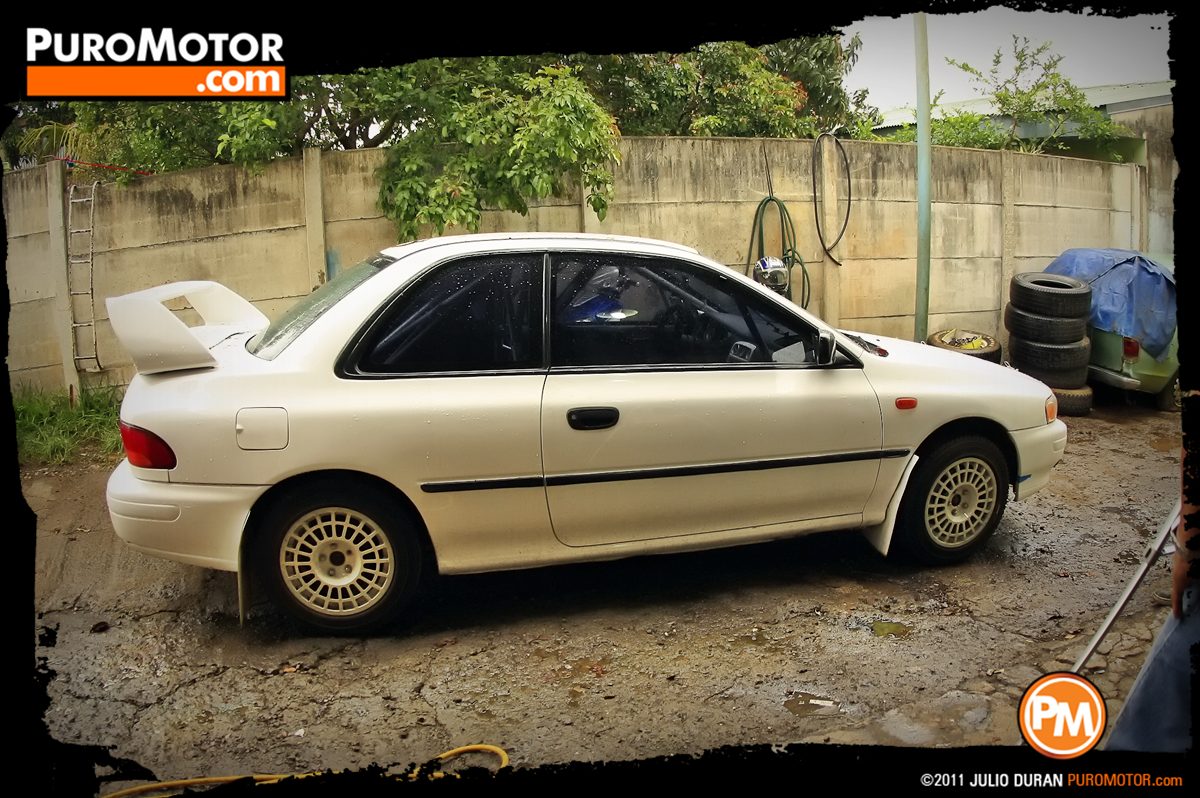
954,501
340,558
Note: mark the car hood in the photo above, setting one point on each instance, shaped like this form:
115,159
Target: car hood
909,364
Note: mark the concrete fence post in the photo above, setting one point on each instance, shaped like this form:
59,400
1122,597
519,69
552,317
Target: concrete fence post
831,166
56,223
1139,236
314,217
1008,236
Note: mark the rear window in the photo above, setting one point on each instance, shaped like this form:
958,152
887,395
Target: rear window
273,340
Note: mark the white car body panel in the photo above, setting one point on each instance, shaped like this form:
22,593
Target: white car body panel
728,422
242,424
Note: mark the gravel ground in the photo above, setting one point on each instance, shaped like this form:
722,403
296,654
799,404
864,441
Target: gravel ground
810,640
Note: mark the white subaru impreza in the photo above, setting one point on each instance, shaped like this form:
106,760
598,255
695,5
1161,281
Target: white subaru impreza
487,402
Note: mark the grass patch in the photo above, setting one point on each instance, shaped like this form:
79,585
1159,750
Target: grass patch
52,431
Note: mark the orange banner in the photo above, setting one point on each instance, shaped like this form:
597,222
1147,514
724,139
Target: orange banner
208,82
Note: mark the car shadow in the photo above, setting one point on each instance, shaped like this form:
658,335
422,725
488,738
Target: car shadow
665,581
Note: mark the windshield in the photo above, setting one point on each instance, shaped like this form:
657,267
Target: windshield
273,340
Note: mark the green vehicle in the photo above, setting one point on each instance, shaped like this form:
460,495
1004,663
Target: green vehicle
1122,363
1133,310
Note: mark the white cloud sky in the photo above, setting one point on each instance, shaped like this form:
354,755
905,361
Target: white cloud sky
1096,50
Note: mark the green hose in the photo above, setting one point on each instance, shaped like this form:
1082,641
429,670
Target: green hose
787,235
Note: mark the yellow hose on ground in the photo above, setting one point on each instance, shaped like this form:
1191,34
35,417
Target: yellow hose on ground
270,778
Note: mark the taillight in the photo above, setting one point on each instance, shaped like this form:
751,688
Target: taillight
145,449
1131,348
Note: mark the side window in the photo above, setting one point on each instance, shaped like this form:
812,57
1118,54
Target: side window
615,310
474,314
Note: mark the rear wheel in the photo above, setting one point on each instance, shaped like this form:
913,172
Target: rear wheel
1169,398
339,558
954,502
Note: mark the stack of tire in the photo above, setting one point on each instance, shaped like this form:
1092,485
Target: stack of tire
1046,318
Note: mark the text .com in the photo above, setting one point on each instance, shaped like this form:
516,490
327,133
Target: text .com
154,63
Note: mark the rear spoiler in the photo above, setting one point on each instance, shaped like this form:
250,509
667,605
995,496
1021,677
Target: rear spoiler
159,341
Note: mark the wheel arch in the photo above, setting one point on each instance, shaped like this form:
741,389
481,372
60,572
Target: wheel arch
983,427
265,502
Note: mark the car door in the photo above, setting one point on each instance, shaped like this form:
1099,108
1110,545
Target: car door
681,402
449,380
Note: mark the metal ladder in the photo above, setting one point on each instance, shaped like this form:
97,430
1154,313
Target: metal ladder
81,277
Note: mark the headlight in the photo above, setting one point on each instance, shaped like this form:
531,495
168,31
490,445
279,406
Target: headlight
1051,408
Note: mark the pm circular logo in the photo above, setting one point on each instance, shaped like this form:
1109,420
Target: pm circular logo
1062,715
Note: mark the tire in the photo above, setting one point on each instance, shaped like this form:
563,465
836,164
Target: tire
1044,329
1069,379
364,536
1049,357
954,501
1051,295
1170,398
967,342
1074,401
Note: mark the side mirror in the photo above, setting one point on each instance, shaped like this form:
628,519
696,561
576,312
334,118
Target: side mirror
826,348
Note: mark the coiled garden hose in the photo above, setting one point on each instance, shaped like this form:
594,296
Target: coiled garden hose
827,247
787,235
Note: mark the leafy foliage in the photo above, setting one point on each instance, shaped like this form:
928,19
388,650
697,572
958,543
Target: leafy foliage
718,89
500,146
820,64
470,133
956,129
1042,106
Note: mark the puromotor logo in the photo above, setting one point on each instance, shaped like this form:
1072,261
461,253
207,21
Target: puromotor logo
160,63
1062,715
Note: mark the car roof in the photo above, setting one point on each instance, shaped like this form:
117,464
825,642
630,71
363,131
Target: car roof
558,240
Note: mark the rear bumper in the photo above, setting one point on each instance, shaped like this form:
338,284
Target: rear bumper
1038,450
195,524
1109,377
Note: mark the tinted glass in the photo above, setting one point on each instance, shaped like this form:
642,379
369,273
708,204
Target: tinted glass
273,340
475,314
614,310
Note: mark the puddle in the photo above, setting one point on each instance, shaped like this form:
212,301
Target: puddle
1165,444
755,637
886,628
804,704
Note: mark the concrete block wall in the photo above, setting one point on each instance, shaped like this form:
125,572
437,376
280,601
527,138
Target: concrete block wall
275,233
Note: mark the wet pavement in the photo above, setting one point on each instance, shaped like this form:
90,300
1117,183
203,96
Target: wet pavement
816,639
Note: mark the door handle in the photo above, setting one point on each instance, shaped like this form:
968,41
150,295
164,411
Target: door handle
593,417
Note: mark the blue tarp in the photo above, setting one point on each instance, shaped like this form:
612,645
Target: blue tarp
1132,295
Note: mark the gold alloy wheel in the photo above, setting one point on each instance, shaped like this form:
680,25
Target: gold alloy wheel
961,502
336,562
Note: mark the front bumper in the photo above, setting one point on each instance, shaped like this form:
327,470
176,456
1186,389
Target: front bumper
195,524
1038,450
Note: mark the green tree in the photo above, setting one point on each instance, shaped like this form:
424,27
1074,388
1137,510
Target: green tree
717,89
955,129
1036,96
470,133
1036,108
820,64
499,146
